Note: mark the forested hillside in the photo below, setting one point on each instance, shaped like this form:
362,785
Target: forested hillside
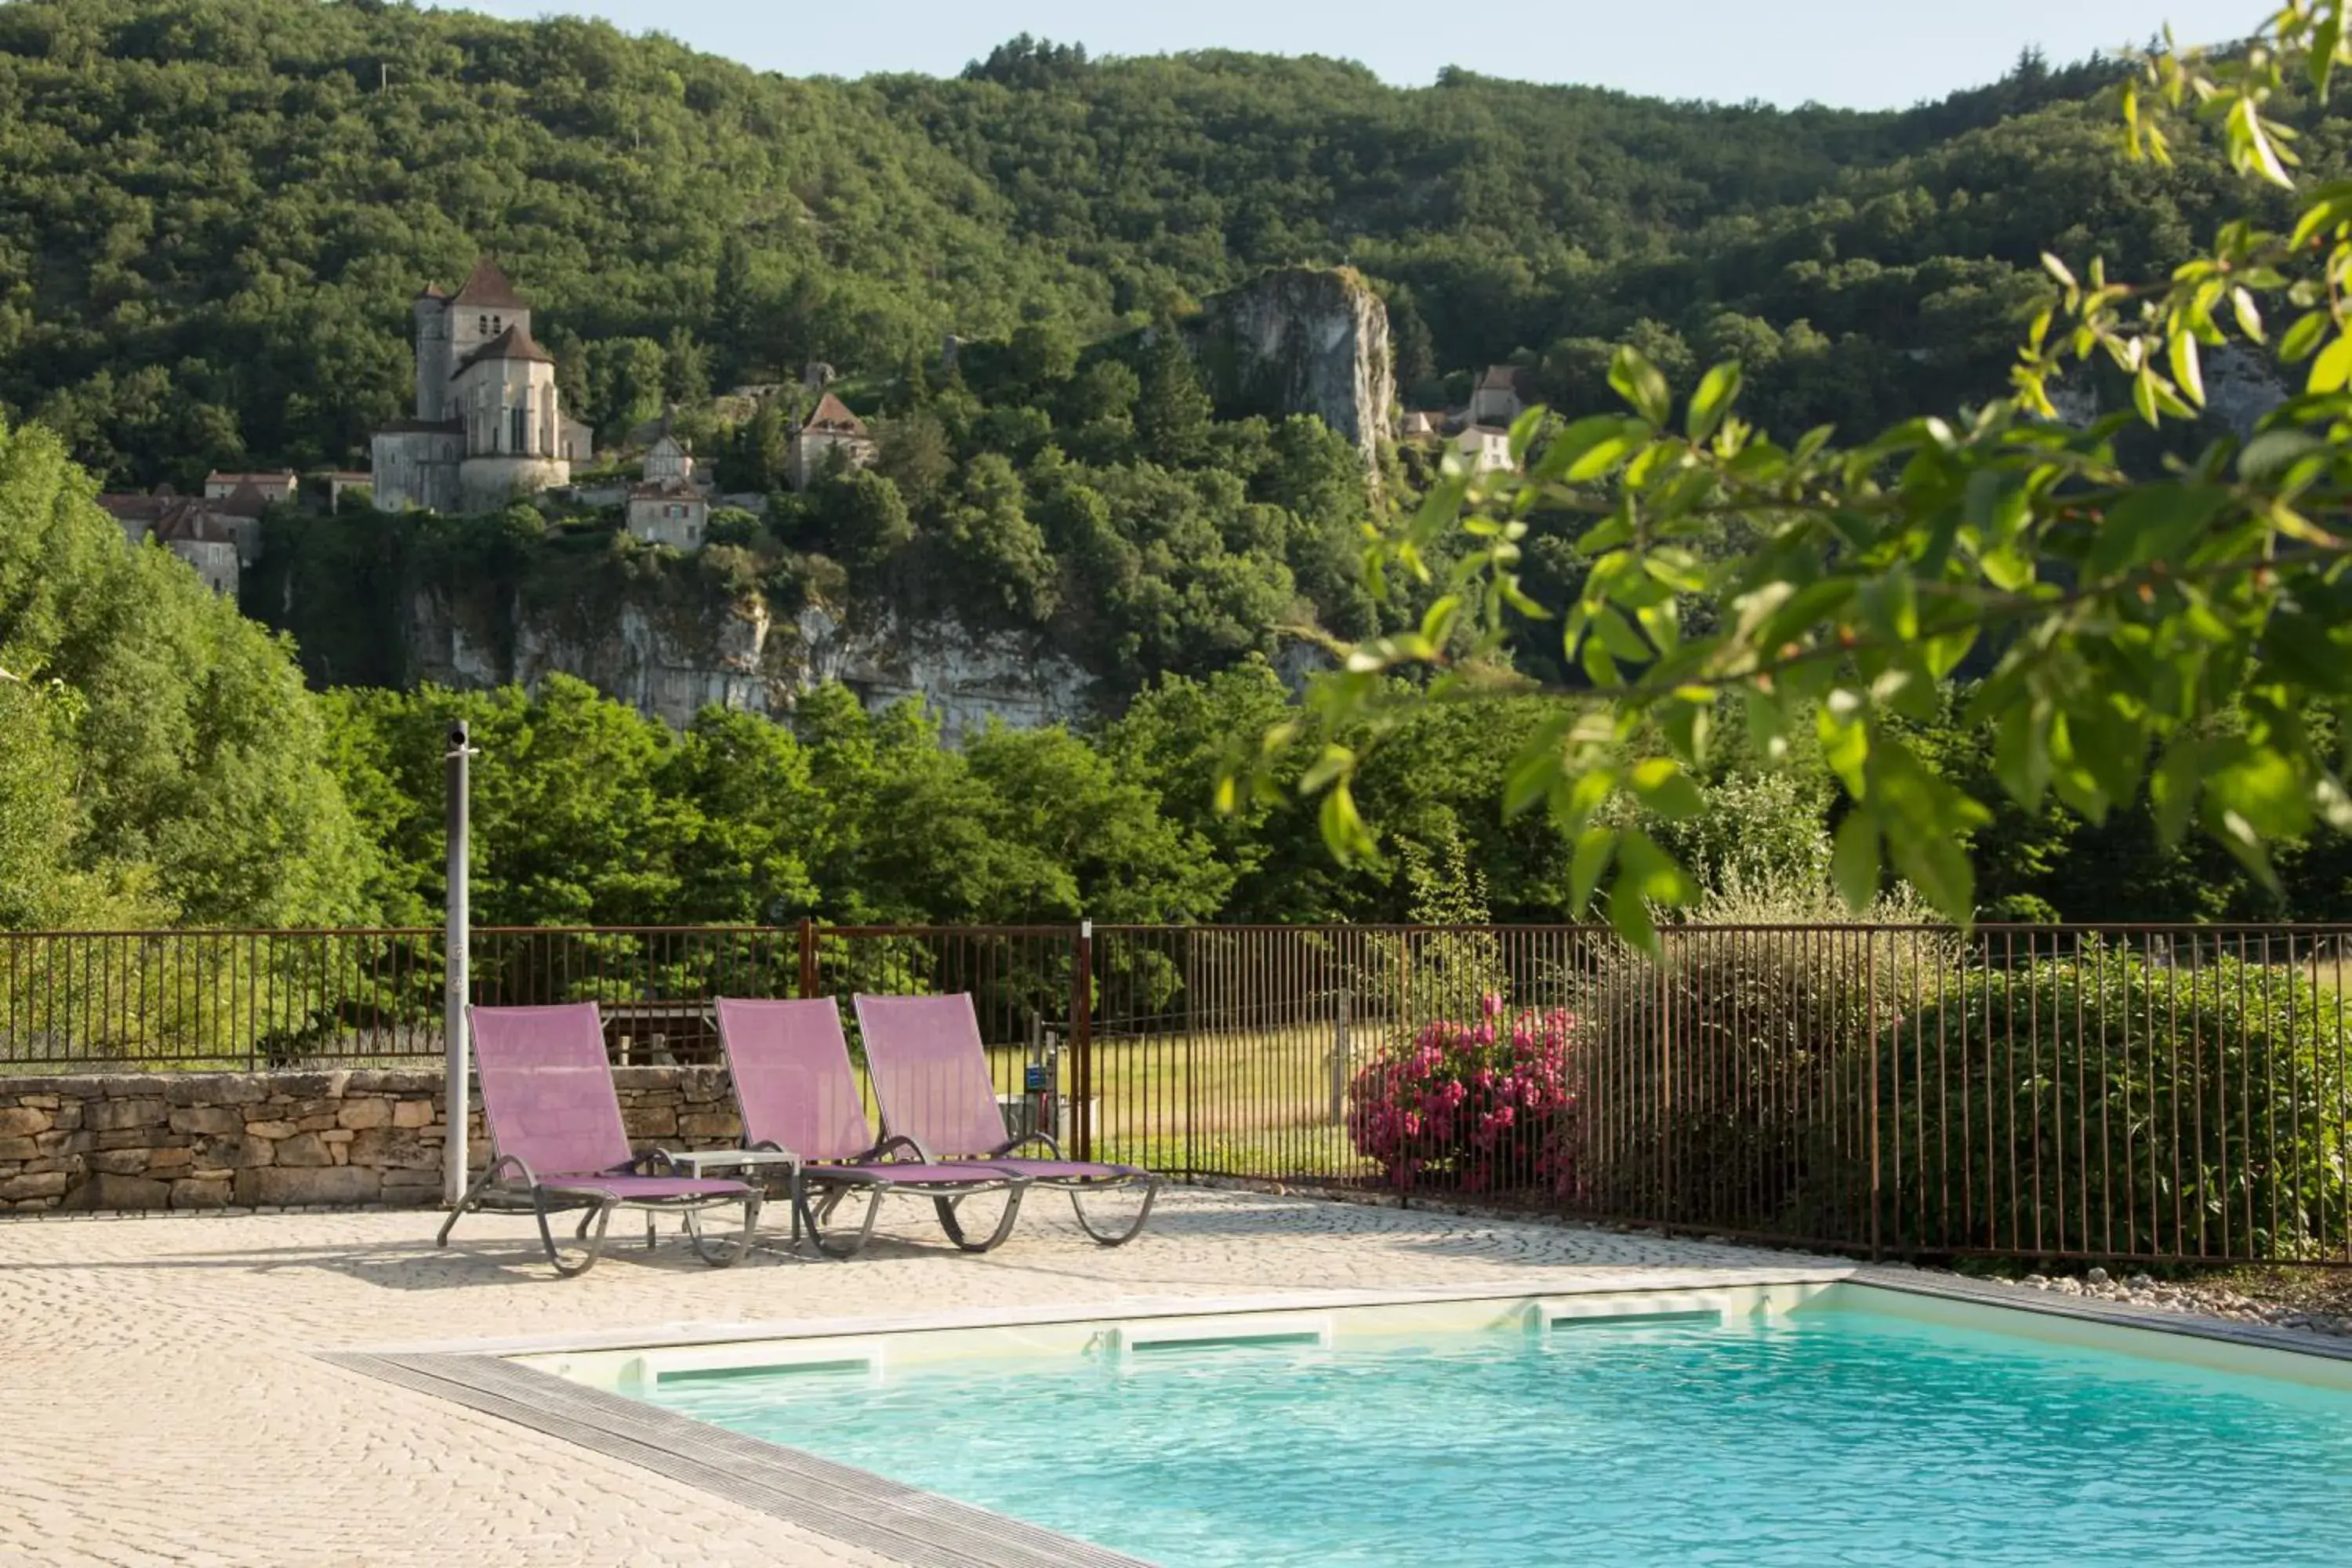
213,212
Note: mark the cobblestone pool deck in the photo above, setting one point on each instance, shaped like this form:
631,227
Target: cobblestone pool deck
164,1403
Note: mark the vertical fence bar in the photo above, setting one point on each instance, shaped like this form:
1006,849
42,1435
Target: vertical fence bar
455,937
1082,1039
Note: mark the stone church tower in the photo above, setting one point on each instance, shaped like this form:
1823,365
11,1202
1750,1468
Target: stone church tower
490,425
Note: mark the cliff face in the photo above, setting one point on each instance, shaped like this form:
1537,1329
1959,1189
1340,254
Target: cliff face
1301,340
739,656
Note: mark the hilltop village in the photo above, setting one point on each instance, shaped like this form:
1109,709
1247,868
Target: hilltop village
489,428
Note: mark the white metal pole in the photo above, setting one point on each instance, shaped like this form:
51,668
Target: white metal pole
455,942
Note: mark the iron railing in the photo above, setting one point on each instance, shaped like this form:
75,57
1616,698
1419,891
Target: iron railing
2118,1092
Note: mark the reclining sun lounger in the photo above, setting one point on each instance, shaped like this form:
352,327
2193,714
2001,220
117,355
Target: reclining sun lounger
798,1093
558,1142
930,1078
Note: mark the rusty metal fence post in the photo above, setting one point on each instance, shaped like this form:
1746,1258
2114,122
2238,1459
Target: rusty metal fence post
811,983
1082,1041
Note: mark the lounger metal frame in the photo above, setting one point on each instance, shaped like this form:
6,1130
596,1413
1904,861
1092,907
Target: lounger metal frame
510,1187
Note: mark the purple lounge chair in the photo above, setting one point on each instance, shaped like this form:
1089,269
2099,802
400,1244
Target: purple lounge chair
798,1093
930,1078
556,1126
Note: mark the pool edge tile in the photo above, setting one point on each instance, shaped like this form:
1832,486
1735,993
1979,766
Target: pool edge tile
839,1502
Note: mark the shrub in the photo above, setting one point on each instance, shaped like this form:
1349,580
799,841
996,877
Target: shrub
1724,1078
2094,1102
1478,1106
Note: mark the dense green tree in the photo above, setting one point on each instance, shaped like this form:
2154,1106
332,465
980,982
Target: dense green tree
193,753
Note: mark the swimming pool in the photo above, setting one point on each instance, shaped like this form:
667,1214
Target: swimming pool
1838,1425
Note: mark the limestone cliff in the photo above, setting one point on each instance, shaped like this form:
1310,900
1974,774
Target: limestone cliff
737,656
1300,340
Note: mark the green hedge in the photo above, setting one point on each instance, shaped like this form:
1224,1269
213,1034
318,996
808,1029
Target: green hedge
2097,1103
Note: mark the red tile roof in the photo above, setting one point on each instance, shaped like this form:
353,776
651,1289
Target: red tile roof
487,287
832,417
513,343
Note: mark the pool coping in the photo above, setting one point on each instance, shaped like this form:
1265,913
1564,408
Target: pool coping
924,1530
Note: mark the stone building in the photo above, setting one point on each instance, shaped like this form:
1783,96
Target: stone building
831,428
672,511
217,536
1500,396
275,488
490,425
1485,447
669,458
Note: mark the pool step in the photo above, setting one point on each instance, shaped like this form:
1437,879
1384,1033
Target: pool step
713,1364
1262,1331
1649,1311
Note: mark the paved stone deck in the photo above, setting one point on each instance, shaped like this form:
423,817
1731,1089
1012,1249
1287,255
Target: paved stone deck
161,1404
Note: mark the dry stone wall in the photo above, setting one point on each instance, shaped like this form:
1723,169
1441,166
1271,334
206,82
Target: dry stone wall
194,1141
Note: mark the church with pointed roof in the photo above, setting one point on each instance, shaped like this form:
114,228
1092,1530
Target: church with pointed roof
490,425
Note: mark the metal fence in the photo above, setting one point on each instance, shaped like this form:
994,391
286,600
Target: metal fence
2159,1093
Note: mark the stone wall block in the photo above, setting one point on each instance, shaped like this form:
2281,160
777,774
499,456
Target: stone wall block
415,1113
208,1118
65,1143
270,1128
195,1192
24,1120
302,1149
323,1185
16,1149
235,1152
359,1113
163,1159
45,1184
121,1161
110,1190
121,1115
394,1148
724,1125
650,1122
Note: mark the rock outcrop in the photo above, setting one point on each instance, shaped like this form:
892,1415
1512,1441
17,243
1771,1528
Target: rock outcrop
671,667
1301,340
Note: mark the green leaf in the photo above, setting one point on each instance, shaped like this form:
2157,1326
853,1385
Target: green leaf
1617,634
1594,848
2272,452
2332,368
1637,381
1564,458
2250,315
1523,433
1712,400
1651,872
1629,916
2021,757
2186,369
2303,337
1938,867
2172,788
1854,863
1344,833
1845,747
1659,783
2154,522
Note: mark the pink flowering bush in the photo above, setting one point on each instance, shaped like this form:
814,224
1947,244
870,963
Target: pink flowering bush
1477,1105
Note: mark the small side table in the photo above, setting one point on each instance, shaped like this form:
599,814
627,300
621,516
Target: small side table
710,1162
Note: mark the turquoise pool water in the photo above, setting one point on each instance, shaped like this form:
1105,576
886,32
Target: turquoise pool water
1831,1437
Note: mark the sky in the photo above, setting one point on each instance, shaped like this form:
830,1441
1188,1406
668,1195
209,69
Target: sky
1862,54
